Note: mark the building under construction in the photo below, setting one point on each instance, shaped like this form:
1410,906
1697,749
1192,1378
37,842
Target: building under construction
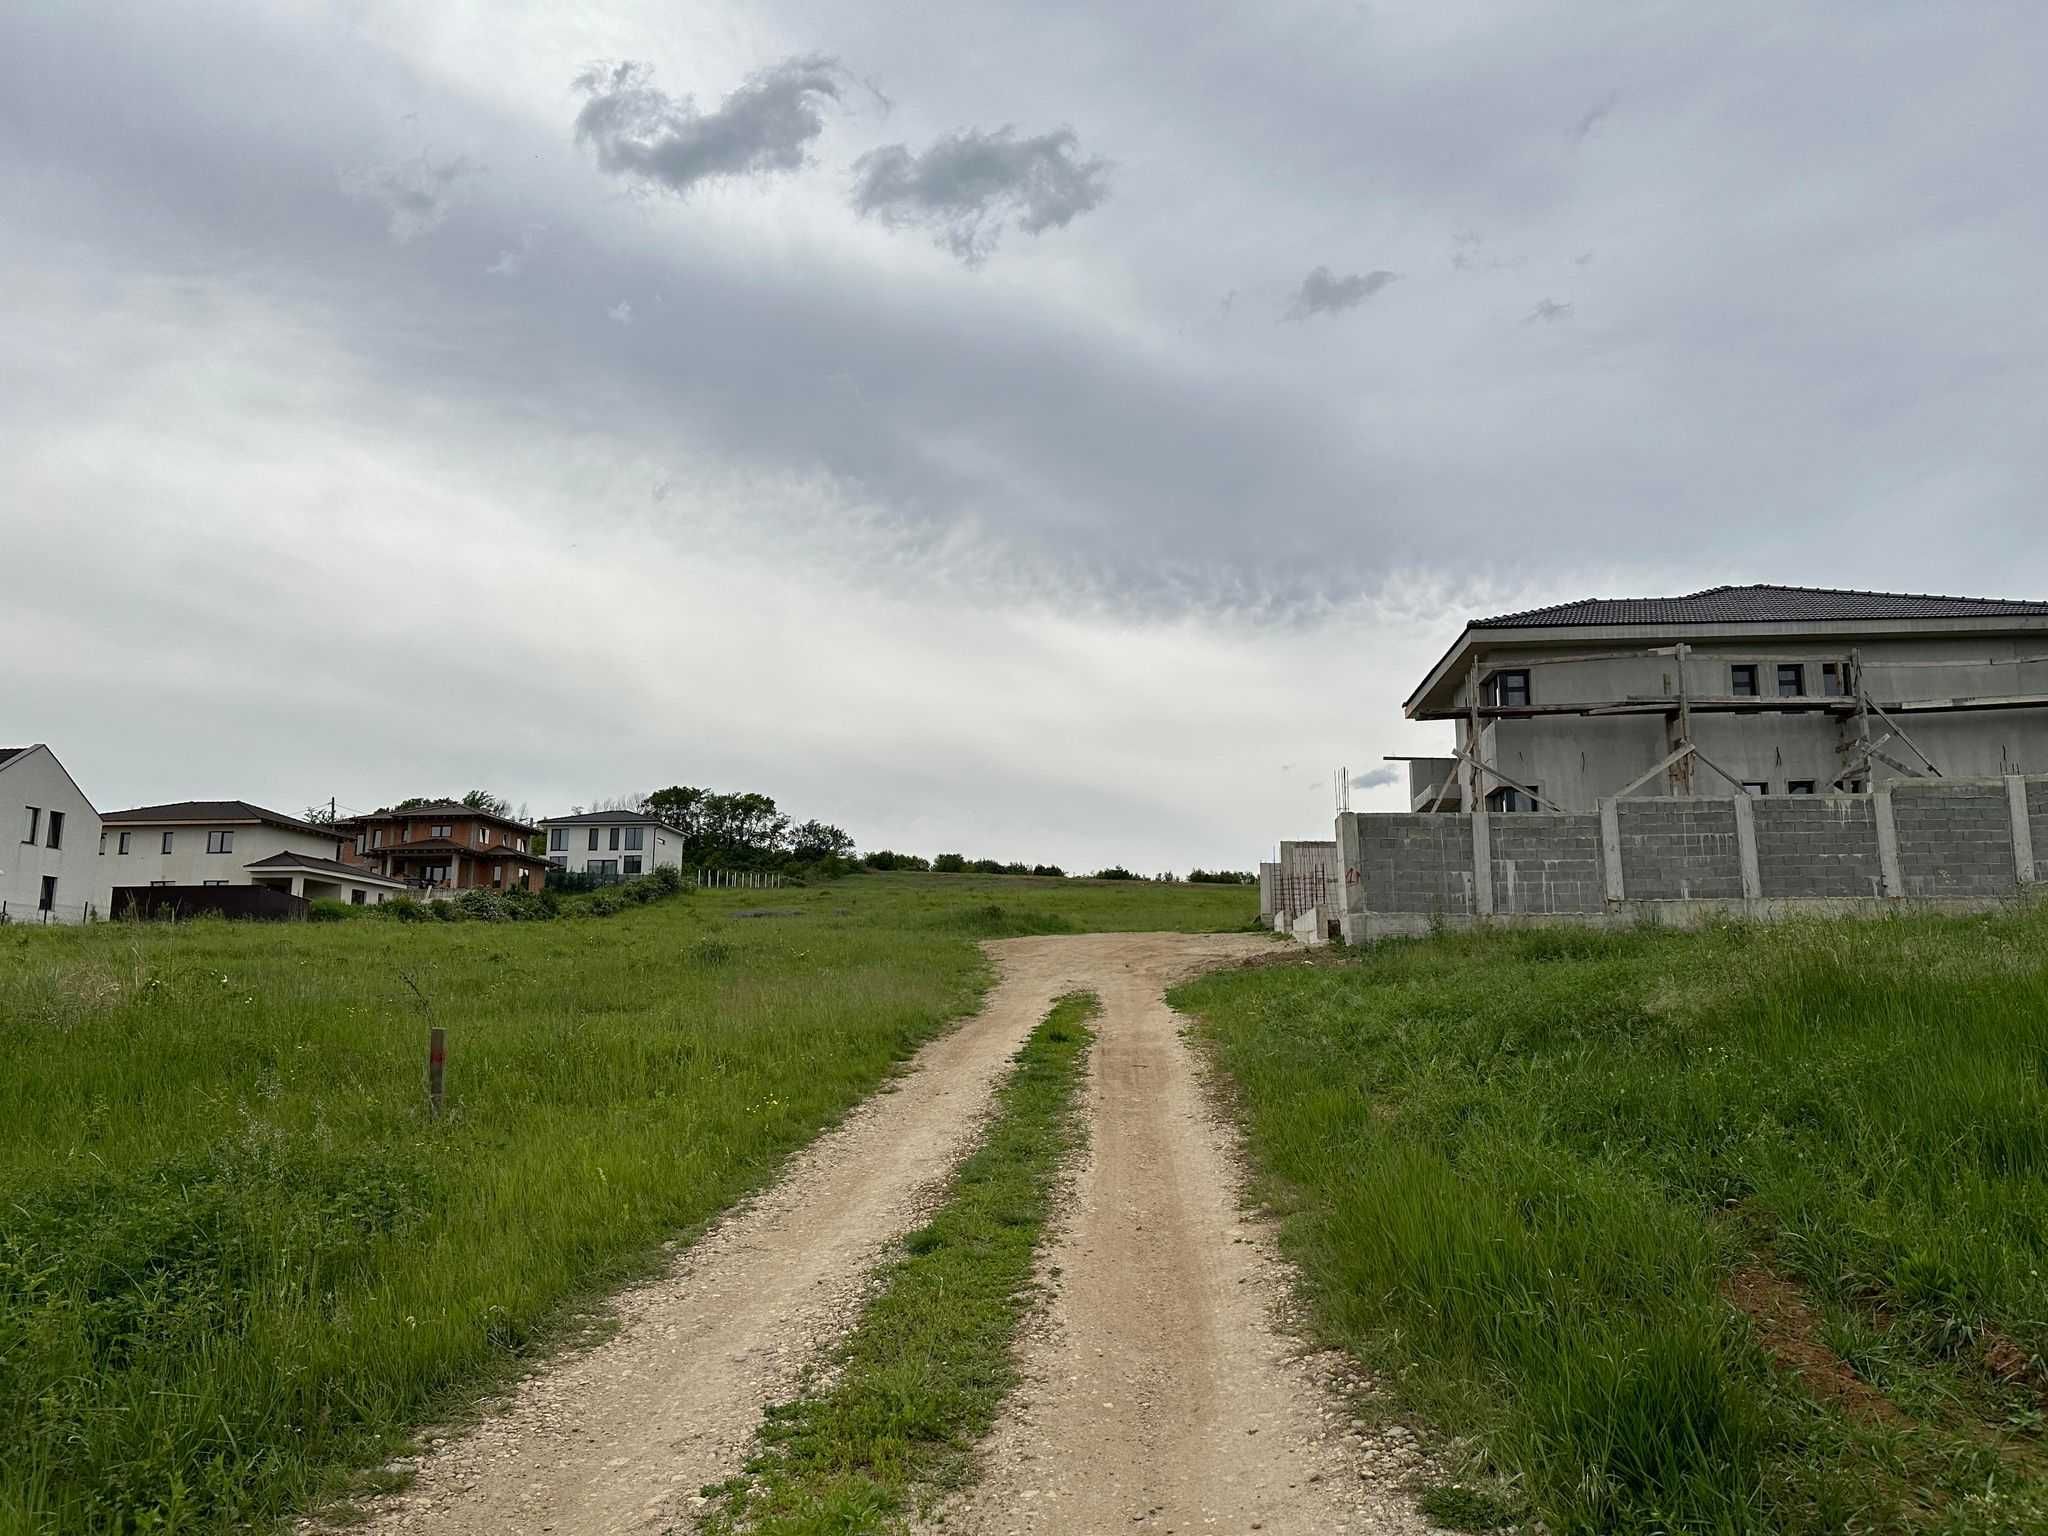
1763,690
1755,751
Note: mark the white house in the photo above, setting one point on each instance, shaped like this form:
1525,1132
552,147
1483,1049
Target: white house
231,842
612,844
49,870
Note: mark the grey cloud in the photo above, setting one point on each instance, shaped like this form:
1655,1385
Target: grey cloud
1596,115
621,312
641,132
1548,309
968,185
1324,293
415,194
1375,777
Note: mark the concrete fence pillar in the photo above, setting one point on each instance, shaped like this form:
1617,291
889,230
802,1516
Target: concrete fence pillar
1887,842
2022,828
1482,864
1745,847
1610,850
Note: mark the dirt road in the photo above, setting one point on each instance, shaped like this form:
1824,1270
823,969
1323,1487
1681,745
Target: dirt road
1159,1395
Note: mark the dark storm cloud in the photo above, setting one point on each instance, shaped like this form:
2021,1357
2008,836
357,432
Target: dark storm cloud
1324,293
969,184
641,132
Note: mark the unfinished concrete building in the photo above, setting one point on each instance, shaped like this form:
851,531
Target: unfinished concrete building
1778,690
1303,889
1747,750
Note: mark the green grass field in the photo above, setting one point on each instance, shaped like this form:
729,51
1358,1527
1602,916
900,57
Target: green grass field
238,1259
1734,1231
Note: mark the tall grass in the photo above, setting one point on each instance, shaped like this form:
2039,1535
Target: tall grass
1519,1169
238,1258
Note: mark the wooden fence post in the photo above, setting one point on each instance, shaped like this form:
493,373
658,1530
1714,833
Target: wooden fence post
437,1067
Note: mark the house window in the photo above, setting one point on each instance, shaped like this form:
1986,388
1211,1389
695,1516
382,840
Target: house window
593,839
1755,787
377,838
558,839
497,874
559,861
1742,680
615,839
633,837
213,882
358,898
1508,690
435,874
1506,799
632,866
603,867
1834,677
441,829
482,835
48,903
1799,786
1791,680
220,842
168,836
121,843
56,830
35,823
103,842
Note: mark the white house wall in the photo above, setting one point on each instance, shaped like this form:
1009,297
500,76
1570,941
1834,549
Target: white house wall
659,846
188,862
37,778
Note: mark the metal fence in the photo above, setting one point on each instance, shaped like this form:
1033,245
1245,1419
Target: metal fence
61,912
741,879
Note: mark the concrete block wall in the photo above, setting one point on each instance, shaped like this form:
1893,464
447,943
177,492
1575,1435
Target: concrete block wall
1955,840
1959,843
1679,850
1546,863
1414,862
1817,846
1309,875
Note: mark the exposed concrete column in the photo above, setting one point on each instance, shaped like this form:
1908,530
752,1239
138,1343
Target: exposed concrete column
1745,847
1610,849
2022,828
1482,864
1887,842
1351,863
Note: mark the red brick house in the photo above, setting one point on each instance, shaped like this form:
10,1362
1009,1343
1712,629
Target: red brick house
444,846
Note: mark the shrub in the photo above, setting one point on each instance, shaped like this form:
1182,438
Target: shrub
949,864
888,859
1051,870
1221,877
1115,872
332,912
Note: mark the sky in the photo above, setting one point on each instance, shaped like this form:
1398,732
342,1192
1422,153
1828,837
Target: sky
1051,432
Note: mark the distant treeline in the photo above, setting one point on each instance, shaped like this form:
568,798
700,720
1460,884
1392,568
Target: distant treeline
960,864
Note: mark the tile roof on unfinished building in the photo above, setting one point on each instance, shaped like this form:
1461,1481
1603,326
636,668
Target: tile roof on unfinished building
1764,605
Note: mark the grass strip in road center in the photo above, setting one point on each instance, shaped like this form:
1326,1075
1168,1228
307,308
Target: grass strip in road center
922,1375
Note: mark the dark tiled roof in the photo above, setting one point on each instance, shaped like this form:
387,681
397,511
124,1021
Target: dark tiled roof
441,808
322,866
608,818
1763,605
449,845
218,810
